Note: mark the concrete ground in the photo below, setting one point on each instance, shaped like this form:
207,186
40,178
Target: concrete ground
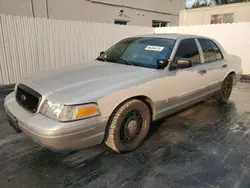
207,145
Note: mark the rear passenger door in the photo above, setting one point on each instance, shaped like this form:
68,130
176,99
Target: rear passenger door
213,63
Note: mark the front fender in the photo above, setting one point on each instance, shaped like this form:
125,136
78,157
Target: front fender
109,103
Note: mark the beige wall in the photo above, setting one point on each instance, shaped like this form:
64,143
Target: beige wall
97,10
203,15
86,11
16,7
170,6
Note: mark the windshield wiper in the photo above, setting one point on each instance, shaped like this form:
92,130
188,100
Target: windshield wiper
113,61
127,62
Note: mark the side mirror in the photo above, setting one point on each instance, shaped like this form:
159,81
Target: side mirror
101,53
183,63
162,63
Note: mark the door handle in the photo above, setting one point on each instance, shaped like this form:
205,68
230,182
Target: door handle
224,66
202,72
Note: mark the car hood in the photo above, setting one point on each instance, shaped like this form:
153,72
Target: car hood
90,78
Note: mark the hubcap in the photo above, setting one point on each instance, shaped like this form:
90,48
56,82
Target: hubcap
131,126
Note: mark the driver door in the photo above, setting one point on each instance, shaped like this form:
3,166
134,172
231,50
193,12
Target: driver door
183,85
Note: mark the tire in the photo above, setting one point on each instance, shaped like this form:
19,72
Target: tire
128,126
226,89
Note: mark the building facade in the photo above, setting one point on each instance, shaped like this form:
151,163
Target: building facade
156,13
231,13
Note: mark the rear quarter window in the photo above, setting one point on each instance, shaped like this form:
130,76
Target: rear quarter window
217,51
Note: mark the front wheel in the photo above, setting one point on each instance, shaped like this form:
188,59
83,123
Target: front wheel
128,127
226,89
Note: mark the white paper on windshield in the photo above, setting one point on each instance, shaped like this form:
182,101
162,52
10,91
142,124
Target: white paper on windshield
154,48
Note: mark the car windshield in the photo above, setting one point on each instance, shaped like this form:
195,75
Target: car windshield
143,51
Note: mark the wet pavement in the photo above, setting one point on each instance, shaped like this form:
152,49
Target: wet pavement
207,145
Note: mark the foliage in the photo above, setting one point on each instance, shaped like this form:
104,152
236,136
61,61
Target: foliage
222,2
198,5
204,3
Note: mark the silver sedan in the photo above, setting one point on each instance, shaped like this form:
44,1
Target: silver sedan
115,98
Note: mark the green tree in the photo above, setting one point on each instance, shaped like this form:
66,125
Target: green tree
205,3
223,2
198,5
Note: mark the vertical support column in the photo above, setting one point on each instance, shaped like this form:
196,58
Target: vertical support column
47,10
32,8
40,8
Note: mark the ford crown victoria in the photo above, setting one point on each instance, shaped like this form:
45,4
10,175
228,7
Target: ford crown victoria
115,98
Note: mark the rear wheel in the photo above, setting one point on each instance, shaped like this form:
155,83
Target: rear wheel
226,89
128,126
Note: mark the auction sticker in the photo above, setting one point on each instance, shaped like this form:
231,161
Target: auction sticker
154,48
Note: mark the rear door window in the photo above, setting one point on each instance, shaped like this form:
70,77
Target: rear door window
208,50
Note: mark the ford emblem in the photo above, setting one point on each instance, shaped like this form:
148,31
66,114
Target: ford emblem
23,97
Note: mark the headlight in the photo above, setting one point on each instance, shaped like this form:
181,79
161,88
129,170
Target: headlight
69,113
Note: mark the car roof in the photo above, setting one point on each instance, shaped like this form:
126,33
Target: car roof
171,36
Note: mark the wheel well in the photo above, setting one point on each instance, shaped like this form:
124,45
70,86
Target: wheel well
148,102
232,73
142,98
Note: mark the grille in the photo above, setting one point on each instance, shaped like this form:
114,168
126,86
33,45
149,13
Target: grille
28,98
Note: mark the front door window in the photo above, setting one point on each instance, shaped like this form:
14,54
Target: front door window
188,49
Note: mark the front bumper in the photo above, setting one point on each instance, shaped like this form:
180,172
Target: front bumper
54,135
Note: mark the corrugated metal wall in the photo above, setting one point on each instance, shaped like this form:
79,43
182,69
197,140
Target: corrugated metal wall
31,45
235,38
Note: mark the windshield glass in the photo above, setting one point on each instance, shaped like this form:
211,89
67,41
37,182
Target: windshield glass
144,51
